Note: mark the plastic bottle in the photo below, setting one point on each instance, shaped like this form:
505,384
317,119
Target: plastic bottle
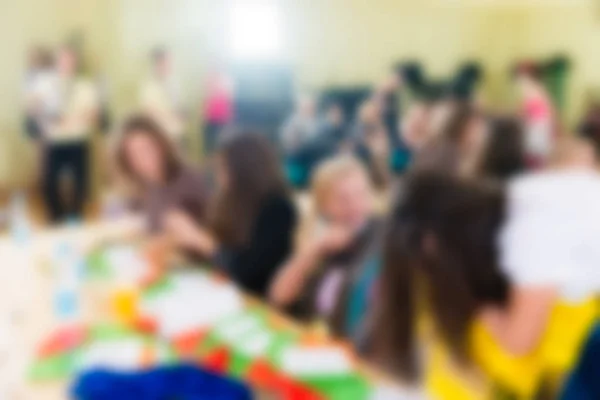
20,226
68,275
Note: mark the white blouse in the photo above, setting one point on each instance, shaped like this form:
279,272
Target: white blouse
551,235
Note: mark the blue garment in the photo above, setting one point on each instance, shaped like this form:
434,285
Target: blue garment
183,382
584,382
360,296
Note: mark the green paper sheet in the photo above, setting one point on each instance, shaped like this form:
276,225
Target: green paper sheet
53,368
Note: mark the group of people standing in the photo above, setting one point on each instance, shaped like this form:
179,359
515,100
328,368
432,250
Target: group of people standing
64,106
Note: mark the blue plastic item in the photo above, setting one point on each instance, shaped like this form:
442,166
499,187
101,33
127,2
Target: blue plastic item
181,382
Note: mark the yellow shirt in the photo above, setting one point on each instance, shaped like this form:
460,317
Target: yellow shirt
555,356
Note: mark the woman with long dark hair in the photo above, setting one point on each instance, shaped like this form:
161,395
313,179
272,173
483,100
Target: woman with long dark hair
510,315
252,216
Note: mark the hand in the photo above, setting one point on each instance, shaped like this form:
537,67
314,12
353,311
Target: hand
184,231
335,239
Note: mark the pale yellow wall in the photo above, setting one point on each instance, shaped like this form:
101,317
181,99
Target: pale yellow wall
574,31
328,41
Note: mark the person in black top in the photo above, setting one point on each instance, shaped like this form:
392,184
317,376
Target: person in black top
252,215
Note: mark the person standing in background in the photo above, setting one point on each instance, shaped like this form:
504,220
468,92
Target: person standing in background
39,67
387,94
297,138
69,109
218,109
301,127
160,96
538,113
371,141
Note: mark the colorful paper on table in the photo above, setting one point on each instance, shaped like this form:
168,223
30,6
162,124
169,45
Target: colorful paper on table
52,368
63,340
188,344
111,332
302,362
126,263
344,387
97,266
118,355
211,302
158,288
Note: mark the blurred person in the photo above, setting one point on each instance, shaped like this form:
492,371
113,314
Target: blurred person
590,126
459,146
218,109
508,300
301,127
252,217
416,131
573,152
68,104
538,113
39,73
301,142
390,107
39,68
148,158
160,96
330,273
504,154
332,129
372,143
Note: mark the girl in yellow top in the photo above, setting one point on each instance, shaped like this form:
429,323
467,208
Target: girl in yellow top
443,253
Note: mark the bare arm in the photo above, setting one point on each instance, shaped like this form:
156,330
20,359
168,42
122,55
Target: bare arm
185,233
520,326
291,279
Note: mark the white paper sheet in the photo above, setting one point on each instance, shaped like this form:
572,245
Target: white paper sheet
302,361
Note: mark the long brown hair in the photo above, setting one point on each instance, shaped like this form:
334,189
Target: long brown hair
142,124
255,174
442,239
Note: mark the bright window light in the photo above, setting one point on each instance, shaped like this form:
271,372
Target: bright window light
255,30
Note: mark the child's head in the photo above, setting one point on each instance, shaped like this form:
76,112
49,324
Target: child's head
342,192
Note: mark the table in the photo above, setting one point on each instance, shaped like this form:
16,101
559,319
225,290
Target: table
28,311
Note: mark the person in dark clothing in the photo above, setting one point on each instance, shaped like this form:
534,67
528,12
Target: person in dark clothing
390,108
67,117
252,215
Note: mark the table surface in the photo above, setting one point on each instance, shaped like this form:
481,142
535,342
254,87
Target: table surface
26,309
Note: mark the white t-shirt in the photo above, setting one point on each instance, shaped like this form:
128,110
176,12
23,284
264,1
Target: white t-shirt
71,102
551,235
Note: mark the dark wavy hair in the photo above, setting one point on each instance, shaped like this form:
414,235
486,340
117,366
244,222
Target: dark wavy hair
440,248
255,175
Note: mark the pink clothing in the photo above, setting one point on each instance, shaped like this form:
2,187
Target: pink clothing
219,103
537,109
